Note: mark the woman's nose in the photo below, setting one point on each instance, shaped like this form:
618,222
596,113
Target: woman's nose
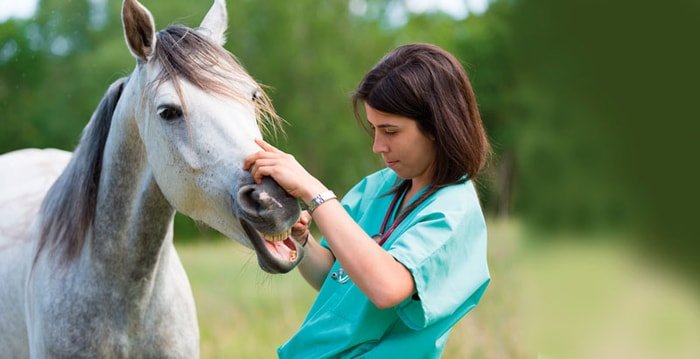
379,146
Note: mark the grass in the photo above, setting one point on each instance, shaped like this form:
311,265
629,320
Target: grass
242,310
570,299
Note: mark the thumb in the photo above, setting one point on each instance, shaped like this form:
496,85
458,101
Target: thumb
305,217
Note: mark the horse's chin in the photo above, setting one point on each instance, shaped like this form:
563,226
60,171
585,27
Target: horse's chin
275,255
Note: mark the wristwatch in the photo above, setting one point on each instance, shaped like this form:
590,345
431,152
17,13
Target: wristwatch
320,199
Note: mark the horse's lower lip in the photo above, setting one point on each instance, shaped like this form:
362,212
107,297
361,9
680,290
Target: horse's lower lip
278,256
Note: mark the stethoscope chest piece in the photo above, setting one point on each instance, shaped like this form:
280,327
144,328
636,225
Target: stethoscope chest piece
340,276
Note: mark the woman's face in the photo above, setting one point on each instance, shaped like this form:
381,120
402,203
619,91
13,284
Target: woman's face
403,146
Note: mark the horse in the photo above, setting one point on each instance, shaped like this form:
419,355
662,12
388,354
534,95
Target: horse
87,262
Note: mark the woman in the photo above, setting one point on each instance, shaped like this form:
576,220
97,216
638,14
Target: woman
404,254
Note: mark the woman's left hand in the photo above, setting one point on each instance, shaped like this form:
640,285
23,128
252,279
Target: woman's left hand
284,169
300,230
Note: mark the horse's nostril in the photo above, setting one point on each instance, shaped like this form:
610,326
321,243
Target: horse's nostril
245,194
249,199
252,200
260,201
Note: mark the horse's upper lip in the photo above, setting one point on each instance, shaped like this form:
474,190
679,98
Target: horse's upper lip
279,256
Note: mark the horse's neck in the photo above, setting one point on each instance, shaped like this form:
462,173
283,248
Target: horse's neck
133,220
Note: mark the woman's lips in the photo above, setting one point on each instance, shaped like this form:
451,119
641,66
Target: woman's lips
391,163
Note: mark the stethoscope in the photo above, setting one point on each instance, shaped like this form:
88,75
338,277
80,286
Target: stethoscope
340,276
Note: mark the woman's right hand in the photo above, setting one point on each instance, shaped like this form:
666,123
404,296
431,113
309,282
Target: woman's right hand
285,170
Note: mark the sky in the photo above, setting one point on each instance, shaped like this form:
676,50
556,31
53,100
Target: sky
456,8
16,8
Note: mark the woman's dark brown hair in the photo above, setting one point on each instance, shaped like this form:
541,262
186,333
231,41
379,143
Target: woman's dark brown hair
428,84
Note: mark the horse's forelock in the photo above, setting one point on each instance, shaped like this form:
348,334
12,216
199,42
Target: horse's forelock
182,52
68,210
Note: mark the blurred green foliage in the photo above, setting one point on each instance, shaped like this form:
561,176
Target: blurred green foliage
585,103
610,137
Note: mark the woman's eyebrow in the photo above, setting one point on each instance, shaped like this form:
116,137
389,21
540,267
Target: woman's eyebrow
385,125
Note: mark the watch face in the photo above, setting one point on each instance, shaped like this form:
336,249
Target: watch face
319,199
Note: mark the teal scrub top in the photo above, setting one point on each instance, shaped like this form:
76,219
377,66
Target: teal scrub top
442,243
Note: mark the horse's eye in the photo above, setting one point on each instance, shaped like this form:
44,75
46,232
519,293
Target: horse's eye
169,112
256,96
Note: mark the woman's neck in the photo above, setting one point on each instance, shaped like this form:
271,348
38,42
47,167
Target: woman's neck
413,189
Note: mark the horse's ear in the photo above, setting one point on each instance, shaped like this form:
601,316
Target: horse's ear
215,23
139,29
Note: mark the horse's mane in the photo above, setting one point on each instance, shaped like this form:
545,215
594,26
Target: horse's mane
68,211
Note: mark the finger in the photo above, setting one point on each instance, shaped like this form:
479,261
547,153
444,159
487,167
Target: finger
300,237
263,168
250,160
266,146
258,158
299,230
305,218
255,166
253,170
258,171
247,164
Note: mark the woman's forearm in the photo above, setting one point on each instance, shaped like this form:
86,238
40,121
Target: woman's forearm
317,261
385,281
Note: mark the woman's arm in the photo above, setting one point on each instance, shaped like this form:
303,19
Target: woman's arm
385,281
317,261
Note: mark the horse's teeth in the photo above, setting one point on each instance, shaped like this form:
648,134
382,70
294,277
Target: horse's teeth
292,256
278,237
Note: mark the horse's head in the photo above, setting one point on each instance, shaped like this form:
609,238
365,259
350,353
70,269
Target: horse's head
198,113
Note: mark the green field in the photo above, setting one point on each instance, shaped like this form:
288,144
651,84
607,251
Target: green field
545,301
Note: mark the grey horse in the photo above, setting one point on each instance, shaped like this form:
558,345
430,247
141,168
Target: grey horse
87,262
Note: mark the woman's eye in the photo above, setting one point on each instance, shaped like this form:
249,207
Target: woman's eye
169,112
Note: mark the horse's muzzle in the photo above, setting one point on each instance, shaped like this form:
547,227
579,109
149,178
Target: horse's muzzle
267,214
